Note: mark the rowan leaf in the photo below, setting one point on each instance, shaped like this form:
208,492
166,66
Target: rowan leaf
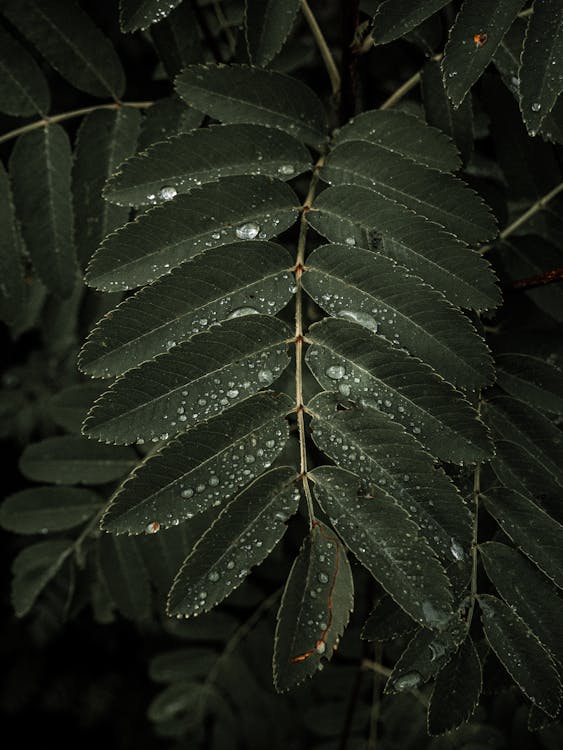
267,25
23,87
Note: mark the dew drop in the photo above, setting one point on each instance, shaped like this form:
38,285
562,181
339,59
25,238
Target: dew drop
213,481
344,389
187,493
457,550
232,393
335,372
286,169
167,193
230,565
350,241
536,106
407,681
240,312
322,578
320,647
361,318
153,527
265,376
270,443
247,231
213,577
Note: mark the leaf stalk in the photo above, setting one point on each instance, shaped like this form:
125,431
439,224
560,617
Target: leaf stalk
324,49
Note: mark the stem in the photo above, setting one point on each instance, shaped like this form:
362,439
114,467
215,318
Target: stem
537,206
376,667
474,553
526,13
326,54
350,21
68,116
413,81
375,700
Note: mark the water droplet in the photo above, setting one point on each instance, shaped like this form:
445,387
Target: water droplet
433,616
242,311
536,106
270,443
187,493
335,372
230,565
320,647
344,389
153,527
265,376
232,393
213,481
437,650
407,681
286,169
167,193
322,578
361,318
247,231
457,550
350,241
213,577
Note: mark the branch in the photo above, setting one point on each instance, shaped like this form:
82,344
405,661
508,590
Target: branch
326,54
537,206
413,81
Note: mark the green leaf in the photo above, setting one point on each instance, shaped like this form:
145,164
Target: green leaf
70,42
387,543
398,385
226,282
167,117
45,509
372,291
404,134
456,691
437,196
69,407
531,529
243,535
465,59
34,567
379,452
439,111
531,380
182,664
542,59
170,234
267,25
140,14
40,167
206,155
521,654
527,593
23,87
387,621
104,140
125,575
239,93
202,468
194,381
358,216
177,39
315,608
12,286
394,18
74,460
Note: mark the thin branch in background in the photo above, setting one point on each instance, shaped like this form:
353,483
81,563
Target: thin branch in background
537,206
324,49
407,86
549,277
348,94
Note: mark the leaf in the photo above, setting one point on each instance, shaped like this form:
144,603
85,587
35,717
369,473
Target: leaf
542,58
439,111
355,215
456,691
521,654
531,380
397,385
437,196
531,529
105,139
387,543
140,14
202,468
195,381
371,290
240,93
226,282
23,87
12,285
387,621
404,134
125,575
182,664
267,25
379,452
243,535
167,117
33,568
74,460
45,509
314,610
68,407
168,235
527,593
394,18
177,39
40,166
206,155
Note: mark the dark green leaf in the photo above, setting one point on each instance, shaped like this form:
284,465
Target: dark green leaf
239,93
67,38
527,593
166,118
542,58
268,23
194,381
45,509
40,167
387,621
358,216
105,139
23,88
203,468
177,38
206,155
226,282
456,691
371,290
32,570
398,385
125,575
12,285
522,655
379,451
387,543
315,608
531,380
216,214
140,14
394,18
531,529
437,196
243,535
75,460
69,407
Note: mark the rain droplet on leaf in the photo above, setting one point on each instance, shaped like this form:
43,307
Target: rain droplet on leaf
247,231
167,193
335,372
